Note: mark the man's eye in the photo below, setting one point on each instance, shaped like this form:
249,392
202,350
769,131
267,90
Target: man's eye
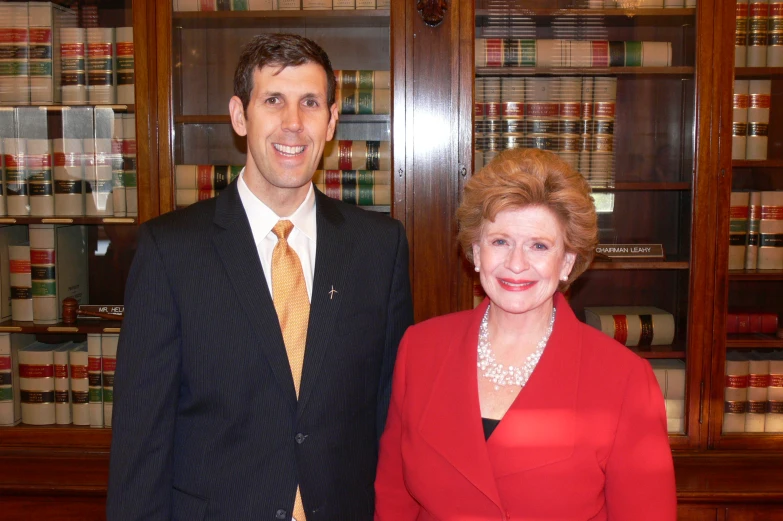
311,103
271,101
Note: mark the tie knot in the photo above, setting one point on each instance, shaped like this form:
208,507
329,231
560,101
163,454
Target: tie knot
282,229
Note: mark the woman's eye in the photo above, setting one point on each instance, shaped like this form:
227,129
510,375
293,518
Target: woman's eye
499,242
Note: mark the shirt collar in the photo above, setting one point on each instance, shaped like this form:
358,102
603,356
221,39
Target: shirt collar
263,219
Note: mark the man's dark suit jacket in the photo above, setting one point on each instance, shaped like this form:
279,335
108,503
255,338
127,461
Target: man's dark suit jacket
206,422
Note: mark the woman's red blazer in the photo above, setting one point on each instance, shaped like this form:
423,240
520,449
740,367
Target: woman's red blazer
585,439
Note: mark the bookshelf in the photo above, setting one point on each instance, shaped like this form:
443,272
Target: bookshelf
678,197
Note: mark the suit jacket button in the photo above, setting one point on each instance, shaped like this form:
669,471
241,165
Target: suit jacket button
280,514
300,438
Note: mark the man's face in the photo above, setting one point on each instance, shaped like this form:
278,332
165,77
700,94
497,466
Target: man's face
287,123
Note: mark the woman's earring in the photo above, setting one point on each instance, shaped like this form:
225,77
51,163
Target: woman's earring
476,269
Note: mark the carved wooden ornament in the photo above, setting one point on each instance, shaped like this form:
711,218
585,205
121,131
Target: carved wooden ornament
432,11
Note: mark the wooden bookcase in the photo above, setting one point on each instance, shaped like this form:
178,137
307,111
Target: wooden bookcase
672,183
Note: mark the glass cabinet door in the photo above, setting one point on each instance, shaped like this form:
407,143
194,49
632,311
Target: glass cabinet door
69,208
749,365
611,87
206,39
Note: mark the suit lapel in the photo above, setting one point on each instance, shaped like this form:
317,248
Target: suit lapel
333,251
451,422
539,427
234,243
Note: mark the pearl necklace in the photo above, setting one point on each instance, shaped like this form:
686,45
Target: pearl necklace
499,374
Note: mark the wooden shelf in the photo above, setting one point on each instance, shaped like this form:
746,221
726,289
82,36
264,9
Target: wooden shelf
281,19
381,209
82,326
758,72
67,220
645,187
60,108
767,163
606,17
639,265
55,436
660,352
753,341
581,71
221,119
755,274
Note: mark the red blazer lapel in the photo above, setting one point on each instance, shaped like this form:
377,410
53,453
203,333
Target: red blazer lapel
451,422
539,428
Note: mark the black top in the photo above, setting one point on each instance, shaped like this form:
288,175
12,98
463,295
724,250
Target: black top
489,426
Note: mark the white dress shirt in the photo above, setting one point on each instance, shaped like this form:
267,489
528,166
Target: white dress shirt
302,238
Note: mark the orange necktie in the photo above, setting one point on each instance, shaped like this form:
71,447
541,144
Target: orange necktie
289,293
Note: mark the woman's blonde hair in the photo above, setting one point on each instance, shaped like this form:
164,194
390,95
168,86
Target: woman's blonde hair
523,177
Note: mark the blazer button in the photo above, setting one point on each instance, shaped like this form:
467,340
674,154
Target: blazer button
280,514
300,438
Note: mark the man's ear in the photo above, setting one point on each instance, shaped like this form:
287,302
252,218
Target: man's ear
237,112
333,117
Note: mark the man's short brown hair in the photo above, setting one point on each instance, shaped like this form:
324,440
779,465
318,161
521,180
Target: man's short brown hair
279,50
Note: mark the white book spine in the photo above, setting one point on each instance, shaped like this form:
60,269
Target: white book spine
758,17
43,268
759,94
101,72
14,39
21,283
40,175
118,182
735,396
68,177
365,4
109,353
36,384
739,131
741,34
98,176
73,78
80,389
62,390
41,27
17,187
95,376
10,410
129,176
126,66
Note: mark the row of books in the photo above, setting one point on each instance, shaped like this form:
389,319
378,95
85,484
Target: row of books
756,230
361,187
516,52
633,326
753,392
751,322
759,34
641,4
45,59
363,91
69,176
40,266
57,384
572,116
273,5
670,375
750,120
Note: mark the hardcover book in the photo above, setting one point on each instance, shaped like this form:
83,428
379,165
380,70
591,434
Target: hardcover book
58,263
633,326
10,400
36,384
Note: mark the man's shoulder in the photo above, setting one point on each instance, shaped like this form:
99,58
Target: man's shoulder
195,218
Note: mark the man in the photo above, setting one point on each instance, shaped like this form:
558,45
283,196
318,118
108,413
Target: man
229,405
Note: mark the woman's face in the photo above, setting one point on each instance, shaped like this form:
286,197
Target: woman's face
521,258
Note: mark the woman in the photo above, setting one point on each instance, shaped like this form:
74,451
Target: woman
516,410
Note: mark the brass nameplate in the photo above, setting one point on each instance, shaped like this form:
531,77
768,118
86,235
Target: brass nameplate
111,330
56,221
10,329
118,220
630,251
61,329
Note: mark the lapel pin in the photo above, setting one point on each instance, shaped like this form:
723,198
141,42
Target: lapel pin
332,293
